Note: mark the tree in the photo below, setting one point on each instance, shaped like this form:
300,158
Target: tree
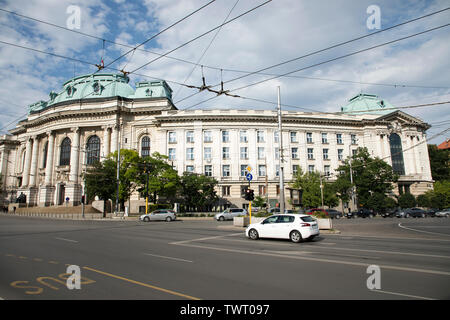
161,182
439,163
309,183
406,200
372,177
198,191
259,201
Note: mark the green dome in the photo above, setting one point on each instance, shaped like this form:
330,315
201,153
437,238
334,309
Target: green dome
104,85
367,104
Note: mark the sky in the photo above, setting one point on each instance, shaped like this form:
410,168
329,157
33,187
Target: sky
409,72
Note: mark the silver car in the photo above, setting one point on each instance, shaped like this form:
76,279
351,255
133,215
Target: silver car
230,213
443,213
159,215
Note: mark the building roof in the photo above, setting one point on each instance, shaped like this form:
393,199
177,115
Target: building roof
444,145
103,85
368,104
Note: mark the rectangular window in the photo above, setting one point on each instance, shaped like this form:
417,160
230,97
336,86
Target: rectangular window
326,170
277,170
225,136
261,170
226,191
262,190
207,136
310,154
340,154
189,153
353,138
172,137
325,154
277,153
276,137
295,168
311,168
324,138
339,138
225,153
309,138
261,153
294,152
207,154
189,136
260,136
189,168
293,137
172,152
243,136
244,170
244,153
226,170
208,170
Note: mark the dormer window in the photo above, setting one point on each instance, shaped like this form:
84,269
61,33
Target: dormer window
70,91
148,92
97,88
53,95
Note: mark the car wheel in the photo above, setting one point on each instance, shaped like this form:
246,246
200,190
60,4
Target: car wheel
168,219
221,218
253,234
338,216
295,236
147,219
407,215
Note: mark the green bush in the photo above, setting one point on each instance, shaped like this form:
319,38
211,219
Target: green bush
406,200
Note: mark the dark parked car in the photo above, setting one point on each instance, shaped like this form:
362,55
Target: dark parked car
334,214
411,212
431,212
389,213
361,213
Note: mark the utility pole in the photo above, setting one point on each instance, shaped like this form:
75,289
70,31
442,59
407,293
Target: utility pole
118,166
281,173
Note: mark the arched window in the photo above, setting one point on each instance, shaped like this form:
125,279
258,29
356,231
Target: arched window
145,146
64,158
398,165
93,150
44,155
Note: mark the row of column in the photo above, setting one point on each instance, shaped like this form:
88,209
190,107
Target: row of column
30,170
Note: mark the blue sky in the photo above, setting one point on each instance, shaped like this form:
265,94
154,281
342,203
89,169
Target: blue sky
271,34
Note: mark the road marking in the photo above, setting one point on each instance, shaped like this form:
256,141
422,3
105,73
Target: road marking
407,228
143,284
402,294
399,268
68,240
206,238
165,257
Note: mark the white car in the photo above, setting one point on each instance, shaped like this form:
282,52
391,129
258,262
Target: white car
230,213
443,213
296,227
159,215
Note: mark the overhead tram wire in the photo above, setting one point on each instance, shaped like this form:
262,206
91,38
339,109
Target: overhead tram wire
328,61
134,71
324,49
206,49
202,35
400,85
85,62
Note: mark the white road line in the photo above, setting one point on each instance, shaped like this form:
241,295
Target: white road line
403,227
402,294
68,240
165,257
389,267
206,238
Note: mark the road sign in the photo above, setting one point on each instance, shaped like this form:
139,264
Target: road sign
249,169
249,177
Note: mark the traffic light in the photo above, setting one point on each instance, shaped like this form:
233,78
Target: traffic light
249,195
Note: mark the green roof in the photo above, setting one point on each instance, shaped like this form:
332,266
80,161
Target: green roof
103,85
367,104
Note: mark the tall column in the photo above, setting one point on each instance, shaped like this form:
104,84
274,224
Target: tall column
4,166
114,138
26,169
75,156
34,162
106,142
49,166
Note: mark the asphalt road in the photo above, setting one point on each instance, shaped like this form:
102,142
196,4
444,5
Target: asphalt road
211,260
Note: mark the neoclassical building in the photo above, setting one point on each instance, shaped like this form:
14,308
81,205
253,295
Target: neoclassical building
44,156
